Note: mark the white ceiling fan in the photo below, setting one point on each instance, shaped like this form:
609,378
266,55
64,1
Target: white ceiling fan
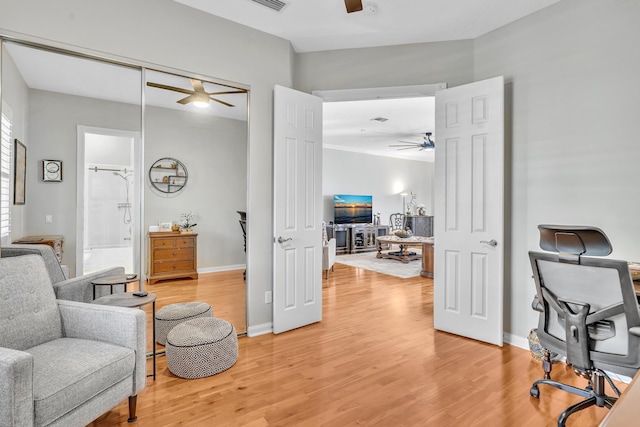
426,144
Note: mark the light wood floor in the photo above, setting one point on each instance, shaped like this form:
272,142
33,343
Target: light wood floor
374,360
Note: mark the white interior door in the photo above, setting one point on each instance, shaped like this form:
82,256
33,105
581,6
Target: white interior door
469,210
297,251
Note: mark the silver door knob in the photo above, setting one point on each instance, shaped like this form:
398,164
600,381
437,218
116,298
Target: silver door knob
281,240
493,243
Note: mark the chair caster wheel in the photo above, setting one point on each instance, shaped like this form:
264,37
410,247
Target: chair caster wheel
534,392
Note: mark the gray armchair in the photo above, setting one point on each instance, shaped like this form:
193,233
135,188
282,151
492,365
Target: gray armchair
63,363
74,289
588,312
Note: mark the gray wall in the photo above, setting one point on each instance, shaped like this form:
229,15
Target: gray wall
345,172
412,64
572,79
52,134
214,151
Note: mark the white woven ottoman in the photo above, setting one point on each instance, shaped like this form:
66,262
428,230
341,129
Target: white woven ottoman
173,314
201,347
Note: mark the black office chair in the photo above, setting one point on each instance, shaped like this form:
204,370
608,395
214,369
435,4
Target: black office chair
588,312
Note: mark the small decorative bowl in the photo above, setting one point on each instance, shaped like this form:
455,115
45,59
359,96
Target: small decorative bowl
403,234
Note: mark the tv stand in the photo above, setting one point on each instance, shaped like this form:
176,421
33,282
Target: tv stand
354,238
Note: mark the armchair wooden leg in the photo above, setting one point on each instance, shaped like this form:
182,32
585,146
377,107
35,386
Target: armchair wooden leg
133,400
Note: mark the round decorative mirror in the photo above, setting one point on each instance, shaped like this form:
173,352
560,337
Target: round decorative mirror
168,175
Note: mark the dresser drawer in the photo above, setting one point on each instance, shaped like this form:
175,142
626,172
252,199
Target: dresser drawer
172,253
185,242
175,266
163,243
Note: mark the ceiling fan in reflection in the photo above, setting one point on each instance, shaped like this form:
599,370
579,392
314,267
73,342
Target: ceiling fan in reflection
198,96
426,144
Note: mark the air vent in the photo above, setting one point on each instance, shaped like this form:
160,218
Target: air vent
379,119
276,5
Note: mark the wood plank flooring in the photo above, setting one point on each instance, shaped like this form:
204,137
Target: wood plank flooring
374,360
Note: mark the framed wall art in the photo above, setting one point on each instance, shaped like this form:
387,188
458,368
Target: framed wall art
19,172
52,170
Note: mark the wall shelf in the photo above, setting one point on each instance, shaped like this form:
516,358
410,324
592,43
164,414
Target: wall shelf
168,175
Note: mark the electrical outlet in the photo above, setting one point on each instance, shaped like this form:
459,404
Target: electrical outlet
48,219
267,297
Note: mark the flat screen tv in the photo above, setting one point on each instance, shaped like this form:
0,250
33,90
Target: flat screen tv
348,209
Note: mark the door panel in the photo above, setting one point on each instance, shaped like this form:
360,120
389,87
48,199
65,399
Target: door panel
468,277
297,284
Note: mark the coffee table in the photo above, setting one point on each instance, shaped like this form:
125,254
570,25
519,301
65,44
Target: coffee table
129,300
403,254
121,279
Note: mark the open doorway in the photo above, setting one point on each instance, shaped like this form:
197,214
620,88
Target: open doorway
372,145
109,198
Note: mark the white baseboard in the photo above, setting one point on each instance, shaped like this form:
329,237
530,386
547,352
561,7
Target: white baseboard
221,268
517,341
265,328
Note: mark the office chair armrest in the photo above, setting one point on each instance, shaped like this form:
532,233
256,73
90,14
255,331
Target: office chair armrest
635,330
535,304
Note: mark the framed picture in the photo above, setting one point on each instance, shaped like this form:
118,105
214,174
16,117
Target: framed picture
52,170
165,226
19,172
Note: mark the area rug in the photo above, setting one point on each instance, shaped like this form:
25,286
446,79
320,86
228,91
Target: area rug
392,267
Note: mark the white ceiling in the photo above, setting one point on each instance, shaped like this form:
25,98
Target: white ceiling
314,25
348,126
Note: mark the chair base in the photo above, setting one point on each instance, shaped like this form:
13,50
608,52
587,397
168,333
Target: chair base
594,392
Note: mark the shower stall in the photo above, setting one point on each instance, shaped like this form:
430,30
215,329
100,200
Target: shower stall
111,203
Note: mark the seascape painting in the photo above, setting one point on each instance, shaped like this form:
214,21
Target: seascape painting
349,209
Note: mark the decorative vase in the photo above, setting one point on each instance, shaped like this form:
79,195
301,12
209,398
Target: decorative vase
175,227
537,351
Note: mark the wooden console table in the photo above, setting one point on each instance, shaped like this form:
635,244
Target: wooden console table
53,240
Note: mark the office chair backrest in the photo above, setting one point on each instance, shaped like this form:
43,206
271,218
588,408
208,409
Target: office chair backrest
589,304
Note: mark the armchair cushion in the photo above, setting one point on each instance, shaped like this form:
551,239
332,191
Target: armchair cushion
62,383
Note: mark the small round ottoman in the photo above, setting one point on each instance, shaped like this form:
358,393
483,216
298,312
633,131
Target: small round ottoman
201,347
173,314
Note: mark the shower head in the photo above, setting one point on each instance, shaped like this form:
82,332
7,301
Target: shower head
123,176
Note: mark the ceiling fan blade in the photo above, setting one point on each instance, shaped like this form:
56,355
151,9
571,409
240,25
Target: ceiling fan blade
222,102
185,101
353,5
197,86
227,93
175,89
407,148
408,144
